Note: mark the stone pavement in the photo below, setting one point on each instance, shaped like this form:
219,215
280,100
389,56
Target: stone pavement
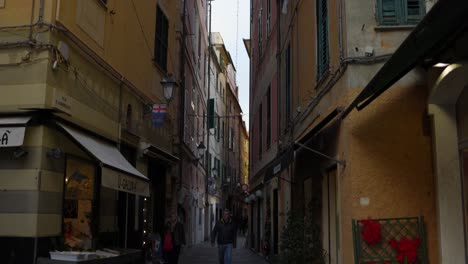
205,254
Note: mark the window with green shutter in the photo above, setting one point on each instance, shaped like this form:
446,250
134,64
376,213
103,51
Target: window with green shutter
323,51
400,12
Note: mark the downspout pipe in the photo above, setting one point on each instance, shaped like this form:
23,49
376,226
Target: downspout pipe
182,94
278,66
40,20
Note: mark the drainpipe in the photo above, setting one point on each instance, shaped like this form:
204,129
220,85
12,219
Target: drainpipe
278,67
182,94
41,12
32,19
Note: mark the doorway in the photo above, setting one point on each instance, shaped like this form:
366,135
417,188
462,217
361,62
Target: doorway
275,221
330,216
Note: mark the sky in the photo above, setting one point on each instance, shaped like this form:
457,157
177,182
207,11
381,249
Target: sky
224,20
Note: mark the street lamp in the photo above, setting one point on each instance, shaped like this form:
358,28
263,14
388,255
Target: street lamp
201,149
213,172
168,84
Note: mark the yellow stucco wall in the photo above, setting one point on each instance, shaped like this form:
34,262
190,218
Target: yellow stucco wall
122,42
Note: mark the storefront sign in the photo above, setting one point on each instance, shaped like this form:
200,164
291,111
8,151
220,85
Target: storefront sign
62,102
122,182
127,184
11,136
277,169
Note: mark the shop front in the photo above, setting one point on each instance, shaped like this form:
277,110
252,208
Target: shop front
75,192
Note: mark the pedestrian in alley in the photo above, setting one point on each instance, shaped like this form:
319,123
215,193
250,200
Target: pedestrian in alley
226,232
174,238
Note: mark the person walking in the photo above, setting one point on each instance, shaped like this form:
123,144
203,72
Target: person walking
174,238
226,232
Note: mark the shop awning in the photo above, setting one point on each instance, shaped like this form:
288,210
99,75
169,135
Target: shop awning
117,172
314,129
441,26
158,153
12,130
279,164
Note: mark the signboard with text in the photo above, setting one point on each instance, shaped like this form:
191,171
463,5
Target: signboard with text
11,136
116,180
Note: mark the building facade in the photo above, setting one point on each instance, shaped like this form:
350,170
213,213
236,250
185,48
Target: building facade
346,169
195,93
388,162
267,193
94,154
225,116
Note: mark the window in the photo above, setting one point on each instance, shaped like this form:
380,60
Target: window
199,50
218,126
268,18
231,138
200,214
322,38
204,122
222,131
400,12
288,83
160,40
208,157
268,118
79,200
204,74
260,142
128,118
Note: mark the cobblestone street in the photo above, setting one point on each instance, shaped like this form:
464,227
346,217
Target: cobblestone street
205,254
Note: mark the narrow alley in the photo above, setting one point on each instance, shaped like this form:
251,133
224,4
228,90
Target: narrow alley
204,253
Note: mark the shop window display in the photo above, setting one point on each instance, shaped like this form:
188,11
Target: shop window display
79,202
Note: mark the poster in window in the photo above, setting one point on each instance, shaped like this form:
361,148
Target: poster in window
79,181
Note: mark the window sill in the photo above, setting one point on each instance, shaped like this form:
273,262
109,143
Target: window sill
394,27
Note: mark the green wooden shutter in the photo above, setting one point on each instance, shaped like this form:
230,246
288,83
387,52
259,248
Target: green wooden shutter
414,11
209,164
211,113
322,37
389,12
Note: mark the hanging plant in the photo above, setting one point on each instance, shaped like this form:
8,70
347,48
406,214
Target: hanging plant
371,232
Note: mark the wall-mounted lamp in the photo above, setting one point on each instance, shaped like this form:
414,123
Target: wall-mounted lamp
19,153
258,193
214,172
201,149
168,85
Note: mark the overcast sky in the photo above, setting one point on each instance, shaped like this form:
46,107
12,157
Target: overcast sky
224,20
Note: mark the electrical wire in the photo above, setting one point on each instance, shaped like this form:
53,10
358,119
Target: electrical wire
142,30
22,63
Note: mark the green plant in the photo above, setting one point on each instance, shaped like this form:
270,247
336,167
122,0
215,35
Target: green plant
301,237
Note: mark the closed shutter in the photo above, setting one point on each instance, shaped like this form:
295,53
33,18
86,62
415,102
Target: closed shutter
414,11
322,38
389,12
161,39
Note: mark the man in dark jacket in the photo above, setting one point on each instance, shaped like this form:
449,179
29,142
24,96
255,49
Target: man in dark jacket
226,232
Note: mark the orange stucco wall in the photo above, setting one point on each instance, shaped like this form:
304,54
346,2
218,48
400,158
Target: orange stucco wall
388,160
